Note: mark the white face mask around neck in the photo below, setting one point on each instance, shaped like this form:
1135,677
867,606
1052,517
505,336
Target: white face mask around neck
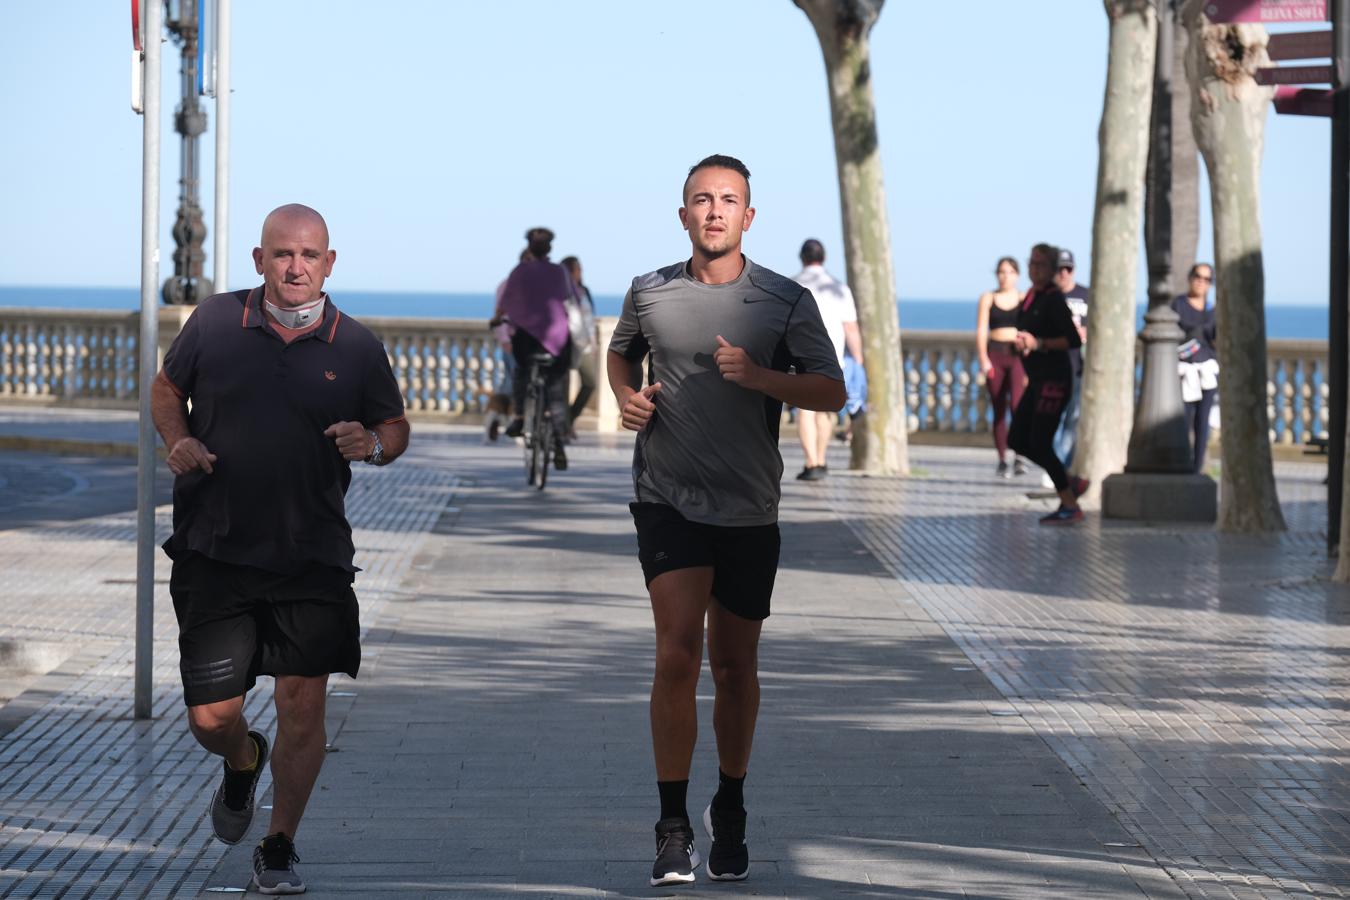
298,317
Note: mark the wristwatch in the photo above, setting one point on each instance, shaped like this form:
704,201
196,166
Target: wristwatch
376,456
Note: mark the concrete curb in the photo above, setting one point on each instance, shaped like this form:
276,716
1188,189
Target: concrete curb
71,447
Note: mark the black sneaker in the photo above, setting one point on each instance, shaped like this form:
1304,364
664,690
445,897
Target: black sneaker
274,866
728,858
805,473
559,457
1003,471
1019,467
516,428
232,803
676,858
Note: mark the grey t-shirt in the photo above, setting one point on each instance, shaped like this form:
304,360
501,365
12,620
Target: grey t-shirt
711,449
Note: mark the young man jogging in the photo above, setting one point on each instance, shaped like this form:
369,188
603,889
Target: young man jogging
722,334
286,394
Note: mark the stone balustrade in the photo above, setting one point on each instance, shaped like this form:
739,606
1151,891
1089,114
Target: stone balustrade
447,368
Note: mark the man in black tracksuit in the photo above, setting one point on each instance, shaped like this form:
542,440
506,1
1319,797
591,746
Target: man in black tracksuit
1045,334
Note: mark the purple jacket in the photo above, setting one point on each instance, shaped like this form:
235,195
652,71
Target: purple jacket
533,300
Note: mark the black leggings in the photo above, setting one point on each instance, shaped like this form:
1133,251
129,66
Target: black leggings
524,346
1034,423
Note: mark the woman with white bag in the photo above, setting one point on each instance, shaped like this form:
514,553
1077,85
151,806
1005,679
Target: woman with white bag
1198,363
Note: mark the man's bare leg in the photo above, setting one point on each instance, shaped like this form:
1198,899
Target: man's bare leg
824,433
733,656
679,603
299,750
222,729
806,432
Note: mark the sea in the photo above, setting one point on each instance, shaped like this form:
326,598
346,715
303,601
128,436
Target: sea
1301,322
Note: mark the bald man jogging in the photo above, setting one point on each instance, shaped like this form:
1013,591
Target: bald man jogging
728,343
286,393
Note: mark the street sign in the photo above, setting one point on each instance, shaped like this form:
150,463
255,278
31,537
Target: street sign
1294,75
135,24
1303,101
1266,10
1300,45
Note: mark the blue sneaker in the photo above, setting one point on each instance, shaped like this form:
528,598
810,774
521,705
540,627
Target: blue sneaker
1063,516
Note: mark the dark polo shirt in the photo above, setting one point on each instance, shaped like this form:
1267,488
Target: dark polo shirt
276,498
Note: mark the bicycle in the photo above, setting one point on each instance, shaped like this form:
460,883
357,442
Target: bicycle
539,434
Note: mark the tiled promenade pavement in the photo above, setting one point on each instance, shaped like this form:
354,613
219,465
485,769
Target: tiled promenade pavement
1197,684
946,713
93,803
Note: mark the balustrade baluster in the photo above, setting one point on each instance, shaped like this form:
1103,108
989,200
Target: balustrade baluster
6,359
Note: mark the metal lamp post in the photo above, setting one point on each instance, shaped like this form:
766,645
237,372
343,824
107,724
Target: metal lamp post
188,284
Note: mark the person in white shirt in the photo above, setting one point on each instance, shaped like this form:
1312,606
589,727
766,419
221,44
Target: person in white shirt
835,302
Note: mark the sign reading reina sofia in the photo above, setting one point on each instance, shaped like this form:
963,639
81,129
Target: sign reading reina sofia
1266,10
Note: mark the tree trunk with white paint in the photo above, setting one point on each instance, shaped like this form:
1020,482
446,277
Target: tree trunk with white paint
1228,111
842,27
1108,358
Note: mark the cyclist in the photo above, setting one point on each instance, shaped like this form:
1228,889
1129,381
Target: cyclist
534,300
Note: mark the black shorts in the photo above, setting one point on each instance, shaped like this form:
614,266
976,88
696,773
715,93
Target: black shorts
744,559
237,622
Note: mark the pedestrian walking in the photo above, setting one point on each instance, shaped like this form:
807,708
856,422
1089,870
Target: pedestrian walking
1199,361
1077,296
286,392
722,333
1000,361
581,325
1045,333
840,316
503,387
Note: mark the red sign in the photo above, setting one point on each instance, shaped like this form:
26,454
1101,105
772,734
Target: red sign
1294,75
1300,45
1267,10
1305,102
135,25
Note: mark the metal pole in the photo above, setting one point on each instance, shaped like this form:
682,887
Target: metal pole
149,363
1338,330
221,253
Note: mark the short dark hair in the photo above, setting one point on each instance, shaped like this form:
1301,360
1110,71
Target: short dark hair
719,161
812,252
1195,270
540,241
1050,252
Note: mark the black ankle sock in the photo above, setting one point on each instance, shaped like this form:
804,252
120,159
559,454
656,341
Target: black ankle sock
730,792
673,795
257,757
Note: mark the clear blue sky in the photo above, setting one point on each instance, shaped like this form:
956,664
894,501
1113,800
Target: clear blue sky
432,134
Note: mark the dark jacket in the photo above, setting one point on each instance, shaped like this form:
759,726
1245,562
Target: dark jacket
1045,314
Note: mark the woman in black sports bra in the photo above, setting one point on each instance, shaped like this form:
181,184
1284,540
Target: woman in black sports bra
1001,364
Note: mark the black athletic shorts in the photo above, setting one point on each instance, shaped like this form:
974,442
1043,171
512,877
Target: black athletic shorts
237,622
744,559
